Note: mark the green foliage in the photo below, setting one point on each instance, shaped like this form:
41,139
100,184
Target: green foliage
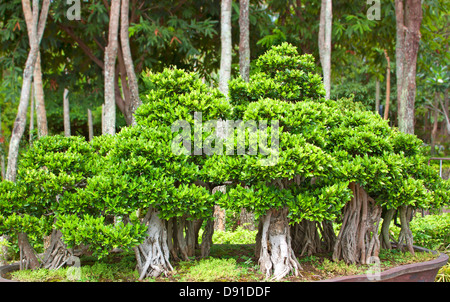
281,73
238,236
431,231
101,237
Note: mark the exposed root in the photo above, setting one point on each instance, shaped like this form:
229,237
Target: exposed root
358,238
276,256
152,255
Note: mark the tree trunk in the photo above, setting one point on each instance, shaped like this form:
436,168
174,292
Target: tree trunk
57,254
153,254
31,128
405,235
28,258
226,46
358,238
305,238
247,219
326,17
244,41
90,125
37,31
132,81
186,238
66,110
408,19
3,250
377,96
276,256
385,236
328,236
109,125
219,213
388,85
205,246
41,114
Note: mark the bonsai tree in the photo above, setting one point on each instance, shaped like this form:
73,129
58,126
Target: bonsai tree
147,183
330,157
53,167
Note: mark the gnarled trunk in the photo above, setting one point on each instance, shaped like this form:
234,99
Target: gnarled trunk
276,256
405,235
28,258
385,237
358,238
207,235
152,255
311,237
57,254
305,238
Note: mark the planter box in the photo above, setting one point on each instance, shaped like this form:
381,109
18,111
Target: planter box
416,272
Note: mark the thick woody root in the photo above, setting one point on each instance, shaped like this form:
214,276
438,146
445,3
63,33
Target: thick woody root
276,256
57,254
28,258
406,236
152,255
358,238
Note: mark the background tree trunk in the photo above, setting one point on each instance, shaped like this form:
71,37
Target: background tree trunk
326,18
377,96
90,124
37,31
132,81
109,115
408,19
226,46
66,111
244,41
388,85
41,113
31,128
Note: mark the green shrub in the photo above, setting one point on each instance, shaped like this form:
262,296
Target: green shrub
239,236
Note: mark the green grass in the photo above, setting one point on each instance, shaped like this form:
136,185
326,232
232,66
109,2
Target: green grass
209,270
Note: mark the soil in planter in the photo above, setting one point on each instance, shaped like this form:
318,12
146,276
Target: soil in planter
235,262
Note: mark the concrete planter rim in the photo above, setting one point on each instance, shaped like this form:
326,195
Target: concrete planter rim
399,271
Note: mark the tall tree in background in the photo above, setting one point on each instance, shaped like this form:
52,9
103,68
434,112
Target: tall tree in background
109,108
38,88
326,17
37,22
408,19
131,79
244,41
225,38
